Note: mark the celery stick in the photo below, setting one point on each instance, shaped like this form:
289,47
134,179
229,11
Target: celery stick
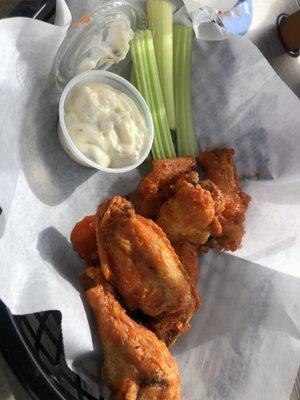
166,137
146,75
132,76
186,139
160,21
141,74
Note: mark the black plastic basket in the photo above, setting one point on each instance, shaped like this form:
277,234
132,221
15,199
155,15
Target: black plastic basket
32,344
33,348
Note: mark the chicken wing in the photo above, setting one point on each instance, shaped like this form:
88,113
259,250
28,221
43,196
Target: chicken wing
219,168
83,236
169,326
191,214
83,239
139,261
137,365
153,189
188,255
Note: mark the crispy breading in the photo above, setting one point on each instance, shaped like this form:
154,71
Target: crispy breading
83,239
190,215
220,169
169,326
153,189
139,261
137,365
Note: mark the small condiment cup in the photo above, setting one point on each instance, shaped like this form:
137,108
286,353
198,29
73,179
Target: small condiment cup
121,84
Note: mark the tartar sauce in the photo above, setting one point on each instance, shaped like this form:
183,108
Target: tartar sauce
105,125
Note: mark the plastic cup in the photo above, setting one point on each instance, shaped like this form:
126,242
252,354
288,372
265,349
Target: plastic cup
118,83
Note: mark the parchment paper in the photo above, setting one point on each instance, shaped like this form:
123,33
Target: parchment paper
244,343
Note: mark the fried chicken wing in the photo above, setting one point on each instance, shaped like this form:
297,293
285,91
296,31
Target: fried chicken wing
153,189
153,266
137,365
83,239
169,326
188,255
139,261
191,214
219,168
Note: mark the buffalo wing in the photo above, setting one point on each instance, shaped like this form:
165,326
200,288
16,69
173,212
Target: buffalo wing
154,188
169,326
83,239
191,214
137,365
219,168
139,261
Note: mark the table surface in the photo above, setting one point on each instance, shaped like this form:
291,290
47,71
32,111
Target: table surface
263,33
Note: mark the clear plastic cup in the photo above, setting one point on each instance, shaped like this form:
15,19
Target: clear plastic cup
86,37
118,83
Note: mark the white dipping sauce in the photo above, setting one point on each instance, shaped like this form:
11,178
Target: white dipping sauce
110,51
105,125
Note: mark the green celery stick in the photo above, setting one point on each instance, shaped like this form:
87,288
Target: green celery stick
146,75
160,21
186,138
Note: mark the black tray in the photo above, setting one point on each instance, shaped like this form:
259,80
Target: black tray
32,346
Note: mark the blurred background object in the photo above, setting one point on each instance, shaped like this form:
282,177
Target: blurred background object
289,32
6,7
239,19
263,33
38,9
